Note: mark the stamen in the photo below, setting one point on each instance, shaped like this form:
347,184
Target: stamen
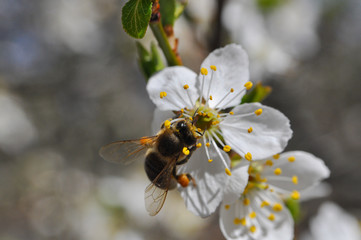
226,148
210,97
248,156
278,171
295,195
231,113
295,180
226,207
277,207
276,156
209,89
186,86
253,229
237,221
246,201
221,156
162,94
186,151
269,163
210,160
208,144
214,68
231,91
167,123
234,97
252,214
291,159
264,203
199,145
248,85
271,217
250,130
243,221
258,111
204,71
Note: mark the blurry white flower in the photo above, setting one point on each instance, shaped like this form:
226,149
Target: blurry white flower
16,129
333,223
275,38
260,212
251,130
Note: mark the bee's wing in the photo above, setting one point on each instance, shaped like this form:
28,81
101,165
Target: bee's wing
126,151
154,197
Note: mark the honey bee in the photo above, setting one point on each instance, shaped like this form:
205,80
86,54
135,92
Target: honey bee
173,145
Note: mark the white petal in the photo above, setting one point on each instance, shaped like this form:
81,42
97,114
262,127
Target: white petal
333,223
228,228
232,72
285,231
210,178
271,130
159,117
236,183
320,190
309,170
171,80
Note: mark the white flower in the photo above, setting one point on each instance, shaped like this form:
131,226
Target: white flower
333,223
260,212
276,38
251,130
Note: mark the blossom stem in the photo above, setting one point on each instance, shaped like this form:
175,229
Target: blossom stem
163,42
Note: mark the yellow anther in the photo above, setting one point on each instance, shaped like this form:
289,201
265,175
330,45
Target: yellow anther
278,171
237,221
210,97
199,130
226,206
248,85
209,115
199,145
295,195
264,203
182,110
167,123
162,94
271,217
276,156
208,144
246,201
295,180
248,156
232,90
271,190
186,151
243,221
253,229
227,148
186,86
218,116
277,207
250,130
231,113
291,159
210,160
204,71
190,118
252,214
214,68
228,172
269,163
258,111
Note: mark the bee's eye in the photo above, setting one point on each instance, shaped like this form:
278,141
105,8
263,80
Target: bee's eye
181,125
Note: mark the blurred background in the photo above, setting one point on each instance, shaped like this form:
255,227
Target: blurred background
70,83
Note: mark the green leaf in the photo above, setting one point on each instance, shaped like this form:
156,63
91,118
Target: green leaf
149,62
257,94
135,17
167,12
179,8
295,208
267,5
